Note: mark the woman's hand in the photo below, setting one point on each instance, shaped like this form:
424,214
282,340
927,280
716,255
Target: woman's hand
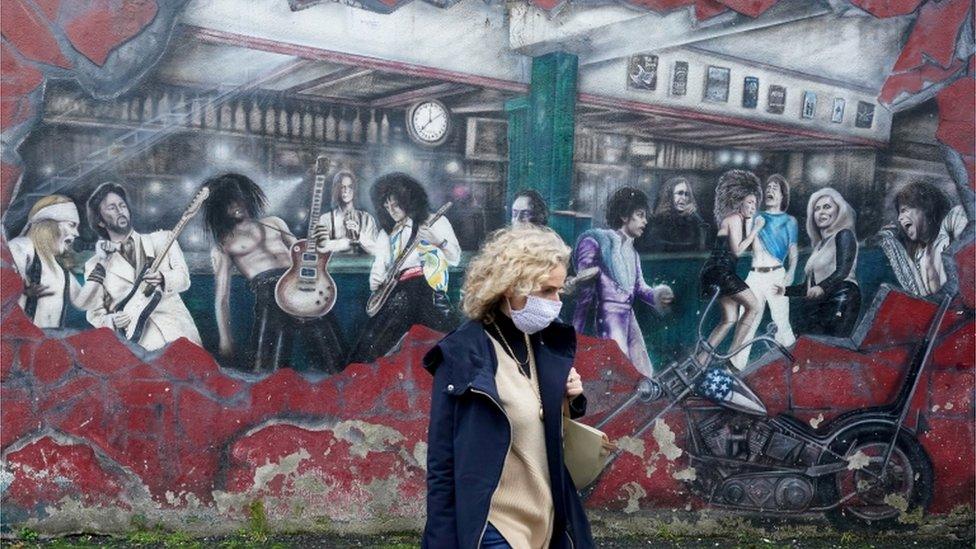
815,292
574,385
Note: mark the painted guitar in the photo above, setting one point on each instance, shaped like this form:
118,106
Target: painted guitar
385,289
307,290
144,297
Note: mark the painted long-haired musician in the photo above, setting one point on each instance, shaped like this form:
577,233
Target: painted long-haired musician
259,247
42,256
109,216
346,228
926,224
420,296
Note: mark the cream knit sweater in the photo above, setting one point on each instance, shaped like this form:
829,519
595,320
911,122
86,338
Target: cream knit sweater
521,507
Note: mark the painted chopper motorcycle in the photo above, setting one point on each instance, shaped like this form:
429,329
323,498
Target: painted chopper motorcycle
861,469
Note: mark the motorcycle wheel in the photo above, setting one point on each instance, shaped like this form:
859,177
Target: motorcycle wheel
872,499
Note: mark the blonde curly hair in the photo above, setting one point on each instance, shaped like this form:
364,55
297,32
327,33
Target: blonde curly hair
518,259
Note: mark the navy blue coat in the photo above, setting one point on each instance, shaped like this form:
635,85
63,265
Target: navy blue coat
469,436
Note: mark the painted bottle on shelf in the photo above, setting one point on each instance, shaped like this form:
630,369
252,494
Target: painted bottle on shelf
343,126
240,119
296,122
372,128
162,106
357,127
226,117
330,127
307,123
283,123
147,108
385,129
255,117
319,129
210,114
270,120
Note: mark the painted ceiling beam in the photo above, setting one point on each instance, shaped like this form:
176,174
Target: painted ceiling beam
323,83
601,34
427,92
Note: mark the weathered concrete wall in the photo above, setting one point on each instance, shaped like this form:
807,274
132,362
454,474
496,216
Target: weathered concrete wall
100,436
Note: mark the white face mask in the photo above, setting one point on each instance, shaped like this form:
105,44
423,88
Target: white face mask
536,315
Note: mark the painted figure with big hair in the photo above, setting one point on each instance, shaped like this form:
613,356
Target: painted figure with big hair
43,256
925,226
258,247
621,281
496,475
831,296
676,225
736,200
345,228
420,295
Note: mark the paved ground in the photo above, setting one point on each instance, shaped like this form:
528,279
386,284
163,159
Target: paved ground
404,541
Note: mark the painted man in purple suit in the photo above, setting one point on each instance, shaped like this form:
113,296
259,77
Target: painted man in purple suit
621,281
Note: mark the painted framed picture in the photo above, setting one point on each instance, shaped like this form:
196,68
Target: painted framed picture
642,72
486,139
809,108
750,92
837,115
865,115
679,79
717,84
776,101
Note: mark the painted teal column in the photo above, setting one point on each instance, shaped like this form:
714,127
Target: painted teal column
518,150
541,133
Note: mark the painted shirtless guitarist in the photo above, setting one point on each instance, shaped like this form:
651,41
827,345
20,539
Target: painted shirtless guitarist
109,216
258,247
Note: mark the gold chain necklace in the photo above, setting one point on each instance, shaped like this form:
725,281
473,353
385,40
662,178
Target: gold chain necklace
533,371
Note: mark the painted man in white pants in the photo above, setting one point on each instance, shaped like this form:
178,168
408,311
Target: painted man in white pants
774,256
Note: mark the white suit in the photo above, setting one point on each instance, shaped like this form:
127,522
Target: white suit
171,320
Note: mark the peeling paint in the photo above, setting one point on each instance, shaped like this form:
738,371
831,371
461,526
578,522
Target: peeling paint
366,437
816,421
860,460
634,494
6,477
631,445
897,501
688,474
287,466
665,440
420,454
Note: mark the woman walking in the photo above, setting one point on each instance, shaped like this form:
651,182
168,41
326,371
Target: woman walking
495,471
831,295
736,200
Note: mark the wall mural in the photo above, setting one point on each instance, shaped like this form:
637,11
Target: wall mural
226,252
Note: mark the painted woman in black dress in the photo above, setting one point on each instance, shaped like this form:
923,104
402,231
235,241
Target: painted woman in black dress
735,203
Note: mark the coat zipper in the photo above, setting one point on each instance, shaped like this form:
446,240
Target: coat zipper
509,449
